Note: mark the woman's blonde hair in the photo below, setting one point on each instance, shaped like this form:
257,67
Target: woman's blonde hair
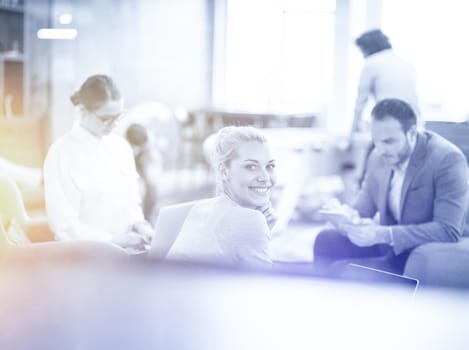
227,142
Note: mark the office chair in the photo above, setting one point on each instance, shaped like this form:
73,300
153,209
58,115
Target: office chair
16,229
20,228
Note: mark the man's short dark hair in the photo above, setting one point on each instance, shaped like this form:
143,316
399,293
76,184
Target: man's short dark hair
397,109
372,42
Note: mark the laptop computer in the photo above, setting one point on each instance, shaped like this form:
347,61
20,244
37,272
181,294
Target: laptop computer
167,227
361,273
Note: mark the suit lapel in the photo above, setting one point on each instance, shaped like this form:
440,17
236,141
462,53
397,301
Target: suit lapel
415,163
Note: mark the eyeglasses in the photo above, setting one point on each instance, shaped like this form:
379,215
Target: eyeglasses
110,118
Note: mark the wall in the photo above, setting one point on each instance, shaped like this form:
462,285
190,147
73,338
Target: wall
24,138
156,50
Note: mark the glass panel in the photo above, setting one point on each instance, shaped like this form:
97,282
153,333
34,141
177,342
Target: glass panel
309,5
308,59
432,35
279,55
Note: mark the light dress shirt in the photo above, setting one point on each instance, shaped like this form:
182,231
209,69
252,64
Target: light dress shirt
220,230
395,188
91,186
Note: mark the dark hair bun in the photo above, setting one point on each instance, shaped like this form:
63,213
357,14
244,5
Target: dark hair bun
95,91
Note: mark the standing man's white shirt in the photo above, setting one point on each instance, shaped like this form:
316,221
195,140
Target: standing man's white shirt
386,75
91,186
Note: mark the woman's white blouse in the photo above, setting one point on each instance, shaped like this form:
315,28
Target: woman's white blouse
91,186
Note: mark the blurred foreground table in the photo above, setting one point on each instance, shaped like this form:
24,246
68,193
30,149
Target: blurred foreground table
84,305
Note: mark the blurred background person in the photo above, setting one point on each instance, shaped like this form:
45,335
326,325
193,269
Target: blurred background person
137,137
233,227
91,187
384,75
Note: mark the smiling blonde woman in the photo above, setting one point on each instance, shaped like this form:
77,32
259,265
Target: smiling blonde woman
233,227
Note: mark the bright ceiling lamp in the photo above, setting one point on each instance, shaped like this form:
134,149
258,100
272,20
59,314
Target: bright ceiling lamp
65,18
57,33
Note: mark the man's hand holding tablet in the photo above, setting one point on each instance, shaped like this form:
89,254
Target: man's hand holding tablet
341,214
363,232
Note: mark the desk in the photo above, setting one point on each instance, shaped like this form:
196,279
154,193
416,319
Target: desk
303,156
295,243
314,160
164,306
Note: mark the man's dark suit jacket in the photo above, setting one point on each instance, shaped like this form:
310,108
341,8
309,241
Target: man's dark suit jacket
434,197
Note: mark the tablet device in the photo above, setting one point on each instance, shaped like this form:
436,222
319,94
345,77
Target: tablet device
337,217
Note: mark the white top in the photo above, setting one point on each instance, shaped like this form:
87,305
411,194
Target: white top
386,75
91,186
220,230
395,190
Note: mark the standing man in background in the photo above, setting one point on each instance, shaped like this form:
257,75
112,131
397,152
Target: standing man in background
384,75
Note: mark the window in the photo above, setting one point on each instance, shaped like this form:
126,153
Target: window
279,55
432,34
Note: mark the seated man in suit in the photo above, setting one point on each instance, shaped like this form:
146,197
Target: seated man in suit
418,184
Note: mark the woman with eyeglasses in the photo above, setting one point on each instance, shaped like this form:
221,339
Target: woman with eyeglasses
91,186
233,227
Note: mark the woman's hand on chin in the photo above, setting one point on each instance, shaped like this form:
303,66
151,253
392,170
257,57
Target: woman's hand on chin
269,213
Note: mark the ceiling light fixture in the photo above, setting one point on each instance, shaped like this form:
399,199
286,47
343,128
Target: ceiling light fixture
57,33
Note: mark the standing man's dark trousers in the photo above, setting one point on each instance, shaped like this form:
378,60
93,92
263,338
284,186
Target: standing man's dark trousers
333,251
